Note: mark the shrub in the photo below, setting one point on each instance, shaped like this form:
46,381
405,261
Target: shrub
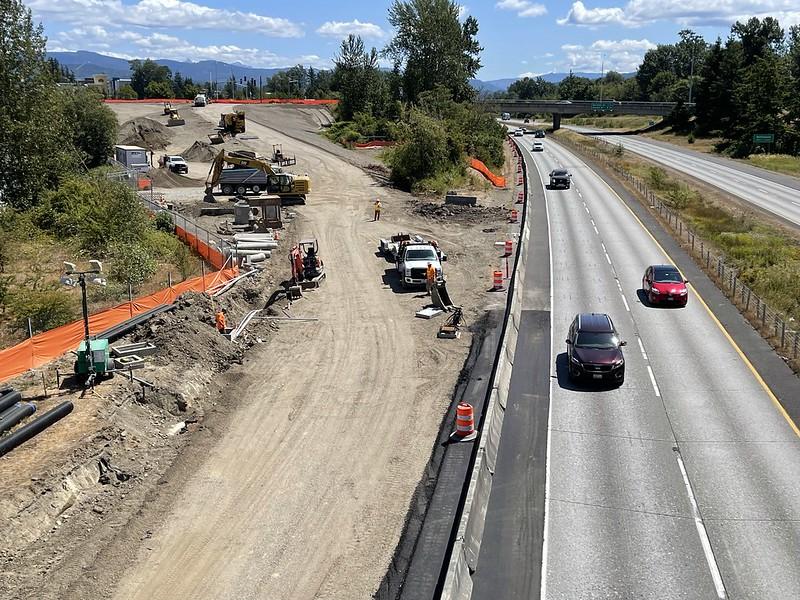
163,222
690,138
657,177
133,263
619,150
46,308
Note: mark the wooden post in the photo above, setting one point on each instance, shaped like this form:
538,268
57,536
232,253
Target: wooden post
130,298
169,279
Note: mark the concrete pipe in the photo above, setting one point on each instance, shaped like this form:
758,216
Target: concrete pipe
254,258
9,399
242,253
15,414
265,245
35,427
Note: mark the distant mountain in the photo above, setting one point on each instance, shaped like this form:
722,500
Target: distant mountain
86,64
501,85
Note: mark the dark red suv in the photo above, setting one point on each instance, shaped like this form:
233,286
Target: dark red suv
594,350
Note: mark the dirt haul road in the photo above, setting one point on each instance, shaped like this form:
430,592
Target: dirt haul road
306,493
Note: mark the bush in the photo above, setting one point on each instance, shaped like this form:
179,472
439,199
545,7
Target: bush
657,178
47,308
423,152
690,138
133,263
163,222
126,92
619,150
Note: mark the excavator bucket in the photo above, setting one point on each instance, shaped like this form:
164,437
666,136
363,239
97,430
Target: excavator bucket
215,138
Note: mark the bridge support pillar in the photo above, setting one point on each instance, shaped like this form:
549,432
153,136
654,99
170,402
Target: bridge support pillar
556,121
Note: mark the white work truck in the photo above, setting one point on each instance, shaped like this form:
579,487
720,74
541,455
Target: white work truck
412,264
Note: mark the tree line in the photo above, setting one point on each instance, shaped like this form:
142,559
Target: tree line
745,85
151,80
424,101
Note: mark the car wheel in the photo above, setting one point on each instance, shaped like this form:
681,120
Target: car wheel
256,189
241,190
227,190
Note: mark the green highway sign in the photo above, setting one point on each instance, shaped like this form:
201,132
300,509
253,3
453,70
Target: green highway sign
764,138
601,106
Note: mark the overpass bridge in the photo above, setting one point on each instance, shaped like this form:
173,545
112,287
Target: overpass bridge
570,108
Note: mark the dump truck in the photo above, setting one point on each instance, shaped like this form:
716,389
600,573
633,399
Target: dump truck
200,100
241,171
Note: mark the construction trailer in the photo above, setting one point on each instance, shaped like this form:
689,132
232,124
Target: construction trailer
132,157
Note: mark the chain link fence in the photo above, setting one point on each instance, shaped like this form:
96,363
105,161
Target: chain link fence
773,325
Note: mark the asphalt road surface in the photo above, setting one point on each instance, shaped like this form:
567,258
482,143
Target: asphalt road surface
777,194
683,482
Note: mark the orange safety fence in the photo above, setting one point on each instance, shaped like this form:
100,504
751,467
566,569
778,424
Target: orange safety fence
375,144
47,346
497,180
212,255
303,101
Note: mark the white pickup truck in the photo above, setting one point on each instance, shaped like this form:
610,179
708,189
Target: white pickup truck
412,264
175,163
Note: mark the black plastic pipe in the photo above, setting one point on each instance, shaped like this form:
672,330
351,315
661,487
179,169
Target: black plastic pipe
35,427
15,414
9,400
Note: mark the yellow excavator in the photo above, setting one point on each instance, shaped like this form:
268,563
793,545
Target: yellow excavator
230,125
241,171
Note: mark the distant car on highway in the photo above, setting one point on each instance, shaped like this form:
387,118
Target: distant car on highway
664,284
560,178
539,133
563,102
527,120
594,350
519,132
537,147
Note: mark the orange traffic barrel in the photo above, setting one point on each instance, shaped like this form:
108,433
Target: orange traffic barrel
509,246
514,219
497,279
465,420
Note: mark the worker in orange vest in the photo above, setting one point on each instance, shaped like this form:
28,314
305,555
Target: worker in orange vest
377,215
430,277
220,320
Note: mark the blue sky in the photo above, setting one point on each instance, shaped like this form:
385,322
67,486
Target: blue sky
519,36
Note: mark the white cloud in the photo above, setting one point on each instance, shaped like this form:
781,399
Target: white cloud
523,8
342,29
164,46
172,14
685,12
623,56
530,74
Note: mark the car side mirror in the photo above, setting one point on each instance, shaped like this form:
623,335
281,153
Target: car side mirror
685,281
623,343
568,341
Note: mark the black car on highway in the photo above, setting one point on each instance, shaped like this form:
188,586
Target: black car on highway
539,133
560,178
594,350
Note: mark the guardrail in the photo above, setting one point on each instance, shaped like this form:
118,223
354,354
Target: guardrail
466,547
772,324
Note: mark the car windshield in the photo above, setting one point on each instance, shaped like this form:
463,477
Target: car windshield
559,173
667,276
596,340
423,254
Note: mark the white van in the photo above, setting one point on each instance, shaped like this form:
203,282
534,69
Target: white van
200,100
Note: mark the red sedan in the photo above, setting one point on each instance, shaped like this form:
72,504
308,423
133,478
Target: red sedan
664,284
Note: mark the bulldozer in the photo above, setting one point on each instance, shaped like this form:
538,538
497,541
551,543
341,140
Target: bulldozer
230,125
175,118
308,269
167,108
243,171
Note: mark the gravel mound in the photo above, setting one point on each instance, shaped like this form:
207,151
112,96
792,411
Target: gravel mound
144,132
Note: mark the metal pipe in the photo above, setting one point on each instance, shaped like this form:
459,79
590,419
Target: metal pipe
26,432
9,400
15,414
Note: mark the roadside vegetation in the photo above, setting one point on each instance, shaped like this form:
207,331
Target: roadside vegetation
766,258
622,122
424,103
56,202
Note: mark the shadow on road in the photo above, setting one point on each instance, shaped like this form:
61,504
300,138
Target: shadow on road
565,383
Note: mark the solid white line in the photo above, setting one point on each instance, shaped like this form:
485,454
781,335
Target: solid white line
607,257
628,308
653,381
701,531
641,347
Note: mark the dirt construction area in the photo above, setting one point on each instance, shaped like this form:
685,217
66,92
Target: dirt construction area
282,466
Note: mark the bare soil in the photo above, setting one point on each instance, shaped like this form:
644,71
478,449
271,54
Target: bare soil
305,444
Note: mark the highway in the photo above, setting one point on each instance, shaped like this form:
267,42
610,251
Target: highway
776,194
682,483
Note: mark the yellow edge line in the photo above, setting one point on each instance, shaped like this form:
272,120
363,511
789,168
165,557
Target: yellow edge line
721,327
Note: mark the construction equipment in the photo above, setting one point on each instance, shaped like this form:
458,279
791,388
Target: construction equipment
167,108
242,171
452,327
230,125
174,118
280,159
308,269
98,356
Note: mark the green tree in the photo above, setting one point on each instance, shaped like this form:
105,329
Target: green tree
146,72
423,151
33,155
132,263
357,77
93,124
434,47
46,308
576,88
126,92
529,88
159,89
